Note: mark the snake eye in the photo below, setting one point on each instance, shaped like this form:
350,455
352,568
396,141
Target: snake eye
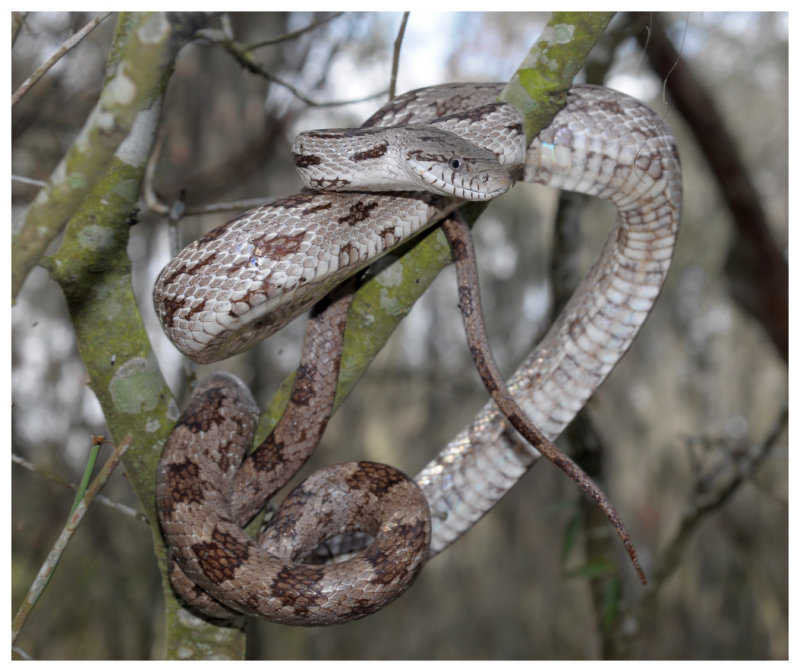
455,163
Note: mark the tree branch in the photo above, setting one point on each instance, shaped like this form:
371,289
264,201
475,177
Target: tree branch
539,87
75,518
243,55
134,70
94,271
70,44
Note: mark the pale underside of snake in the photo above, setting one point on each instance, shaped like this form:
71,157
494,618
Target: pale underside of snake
249,277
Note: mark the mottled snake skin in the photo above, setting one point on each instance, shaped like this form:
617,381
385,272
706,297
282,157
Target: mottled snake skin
249,277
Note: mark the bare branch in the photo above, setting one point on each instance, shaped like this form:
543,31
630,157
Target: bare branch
243,55
708,497
28,180
47,569
297,33
143,47
17,21
70,44
151,199
758,273
398,43
101,499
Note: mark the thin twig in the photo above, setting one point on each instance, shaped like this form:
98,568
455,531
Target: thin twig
398,43
242,54
296,33
227,26
178,209
28,180
226,206
17,21
70,44
151,199
100,499
22,653
49,566
706,501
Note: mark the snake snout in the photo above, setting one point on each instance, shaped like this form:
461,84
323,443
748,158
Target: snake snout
470,178
495,184
486,184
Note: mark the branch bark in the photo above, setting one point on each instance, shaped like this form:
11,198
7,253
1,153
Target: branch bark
94,271
131,73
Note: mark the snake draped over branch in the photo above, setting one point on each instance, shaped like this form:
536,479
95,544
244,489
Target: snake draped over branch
412,164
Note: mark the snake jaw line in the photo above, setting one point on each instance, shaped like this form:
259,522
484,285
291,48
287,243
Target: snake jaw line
492,186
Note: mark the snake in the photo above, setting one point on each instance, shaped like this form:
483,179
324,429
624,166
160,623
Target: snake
246,279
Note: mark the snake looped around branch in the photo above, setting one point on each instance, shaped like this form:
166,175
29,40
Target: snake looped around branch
249,277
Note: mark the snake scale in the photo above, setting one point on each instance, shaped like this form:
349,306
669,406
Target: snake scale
249,277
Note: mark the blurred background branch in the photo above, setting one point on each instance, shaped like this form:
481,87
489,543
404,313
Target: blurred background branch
756,269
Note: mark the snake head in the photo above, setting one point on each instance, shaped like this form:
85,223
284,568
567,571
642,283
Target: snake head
449,165
398,158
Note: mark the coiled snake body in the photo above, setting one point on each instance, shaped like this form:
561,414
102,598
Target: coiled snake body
246,279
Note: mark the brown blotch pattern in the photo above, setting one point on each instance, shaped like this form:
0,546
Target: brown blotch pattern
279,246
609,106
329,183
359,211
204,411
420,155
296,587
305,160
348,253
215,233
269,456
361,607
220,557
385,562
374,478
303,389
372,153
321,207
170,306
295,201
189,269
474,114
183,484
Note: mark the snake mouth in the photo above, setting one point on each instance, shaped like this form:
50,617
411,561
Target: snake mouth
491,187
